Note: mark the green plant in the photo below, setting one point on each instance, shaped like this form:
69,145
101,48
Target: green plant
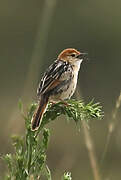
29,159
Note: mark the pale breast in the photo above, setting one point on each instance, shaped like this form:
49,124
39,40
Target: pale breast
71,89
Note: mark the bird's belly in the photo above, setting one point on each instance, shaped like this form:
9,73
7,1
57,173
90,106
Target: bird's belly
66,92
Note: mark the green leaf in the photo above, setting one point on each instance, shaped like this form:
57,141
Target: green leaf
48,173
46,135
67,176
20,105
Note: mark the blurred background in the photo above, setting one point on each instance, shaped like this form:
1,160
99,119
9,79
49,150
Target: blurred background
32,33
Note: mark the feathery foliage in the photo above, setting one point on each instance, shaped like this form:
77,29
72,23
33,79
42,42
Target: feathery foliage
29,159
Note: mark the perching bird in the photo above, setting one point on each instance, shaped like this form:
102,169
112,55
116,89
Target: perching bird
58,82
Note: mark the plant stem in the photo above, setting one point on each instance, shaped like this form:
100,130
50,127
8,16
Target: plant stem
29,151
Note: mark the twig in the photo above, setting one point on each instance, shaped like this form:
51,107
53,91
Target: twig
111,127
90,148
91,152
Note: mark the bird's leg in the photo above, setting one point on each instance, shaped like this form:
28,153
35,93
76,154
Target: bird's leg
64,102
52,102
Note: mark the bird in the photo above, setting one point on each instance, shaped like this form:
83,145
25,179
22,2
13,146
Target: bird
58,83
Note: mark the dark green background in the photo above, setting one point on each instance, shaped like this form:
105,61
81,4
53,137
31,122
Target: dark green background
32,33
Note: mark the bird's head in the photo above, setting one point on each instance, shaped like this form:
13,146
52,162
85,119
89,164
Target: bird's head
72,56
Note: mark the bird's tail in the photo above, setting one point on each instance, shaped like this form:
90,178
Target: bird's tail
37,117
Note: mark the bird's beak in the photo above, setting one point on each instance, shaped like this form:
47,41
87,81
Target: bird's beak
82,56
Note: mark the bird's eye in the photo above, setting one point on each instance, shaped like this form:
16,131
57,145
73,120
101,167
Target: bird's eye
73,55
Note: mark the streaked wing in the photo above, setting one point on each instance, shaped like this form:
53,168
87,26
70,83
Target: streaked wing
51,77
